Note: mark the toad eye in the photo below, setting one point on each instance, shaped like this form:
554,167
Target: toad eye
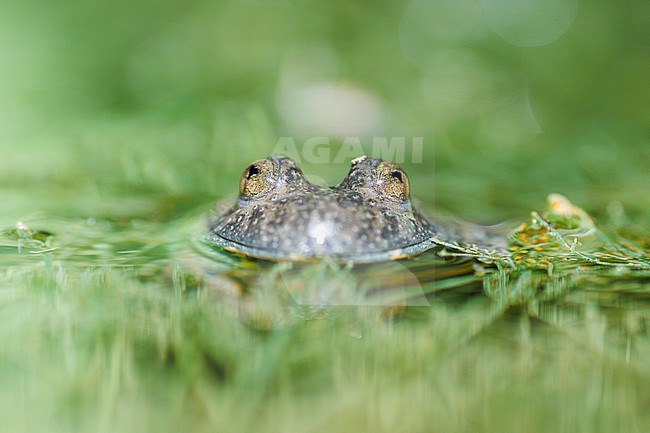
258,179
391,181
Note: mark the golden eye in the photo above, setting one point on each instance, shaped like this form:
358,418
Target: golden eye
390,180
258,179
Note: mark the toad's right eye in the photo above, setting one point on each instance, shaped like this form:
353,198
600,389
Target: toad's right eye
258,179
391,181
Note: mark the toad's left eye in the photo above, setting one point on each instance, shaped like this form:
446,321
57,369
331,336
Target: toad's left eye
391,181
258,179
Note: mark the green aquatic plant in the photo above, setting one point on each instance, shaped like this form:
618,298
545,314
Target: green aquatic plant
104,322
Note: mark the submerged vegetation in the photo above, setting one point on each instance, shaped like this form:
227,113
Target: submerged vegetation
129,326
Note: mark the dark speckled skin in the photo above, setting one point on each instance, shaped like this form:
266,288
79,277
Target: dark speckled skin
298,220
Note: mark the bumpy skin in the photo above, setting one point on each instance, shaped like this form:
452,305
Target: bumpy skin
298,220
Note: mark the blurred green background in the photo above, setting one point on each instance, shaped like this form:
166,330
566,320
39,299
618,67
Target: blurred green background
122,122
148,108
